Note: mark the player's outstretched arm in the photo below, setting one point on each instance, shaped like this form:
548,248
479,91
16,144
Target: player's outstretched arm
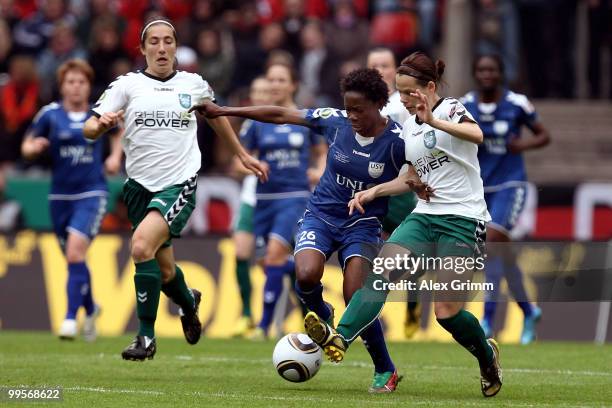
96,126
222,127
269,114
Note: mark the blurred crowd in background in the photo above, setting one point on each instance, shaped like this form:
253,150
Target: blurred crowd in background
229,42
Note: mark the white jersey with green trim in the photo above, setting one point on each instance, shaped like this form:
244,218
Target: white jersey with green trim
160,139
448,164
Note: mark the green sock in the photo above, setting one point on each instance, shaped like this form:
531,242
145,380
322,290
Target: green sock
178,291
363,309
244,283
467,331
148,285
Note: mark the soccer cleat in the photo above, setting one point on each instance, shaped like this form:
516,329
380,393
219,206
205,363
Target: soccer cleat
332,313
89,325
257,334
384,382
491,377
244,325
326,337
68,330
140,349
529,325
192,327
413,318
486,328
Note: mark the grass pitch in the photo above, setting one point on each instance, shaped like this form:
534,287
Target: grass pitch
240,373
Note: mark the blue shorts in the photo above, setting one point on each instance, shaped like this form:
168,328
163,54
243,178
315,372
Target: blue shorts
82,216
505,206
361,239
278,219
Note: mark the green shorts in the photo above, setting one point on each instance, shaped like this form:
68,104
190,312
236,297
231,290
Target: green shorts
441,235
175,204
244,223
399,208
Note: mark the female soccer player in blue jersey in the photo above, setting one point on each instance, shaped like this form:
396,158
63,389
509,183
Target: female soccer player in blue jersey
78,188
501,114
365,149
286,149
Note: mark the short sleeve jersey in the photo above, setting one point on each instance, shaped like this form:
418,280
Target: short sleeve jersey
76,162
448,164
354,163
500,123
160,140
286,149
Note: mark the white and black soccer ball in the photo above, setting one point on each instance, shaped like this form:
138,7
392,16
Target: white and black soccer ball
297,358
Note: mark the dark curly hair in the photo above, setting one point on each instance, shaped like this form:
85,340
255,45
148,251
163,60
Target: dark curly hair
367,82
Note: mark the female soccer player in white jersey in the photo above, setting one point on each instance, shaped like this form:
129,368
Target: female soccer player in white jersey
77,201
162,161
441,145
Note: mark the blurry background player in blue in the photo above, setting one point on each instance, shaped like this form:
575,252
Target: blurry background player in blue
78,189
244,240
287,150
501,113
365,149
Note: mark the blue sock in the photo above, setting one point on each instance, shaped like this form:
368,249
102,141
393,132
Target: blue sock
77,287
313,300
494,270
374,340
272,291
514,277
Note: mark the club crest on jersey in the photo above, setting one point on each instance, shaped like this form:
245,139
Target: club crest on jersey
296,139
375,170
429,139
185,100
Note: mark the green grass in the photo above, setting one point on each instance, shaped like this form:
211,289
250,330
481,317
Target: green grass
239,373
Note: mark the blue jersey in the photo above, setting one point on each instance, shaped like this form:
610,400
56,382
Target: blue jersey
500,123
286,149
76,161
354,163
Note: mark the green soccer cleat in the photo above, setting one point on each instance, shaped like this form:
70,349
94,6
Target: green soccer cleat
384,382
333,345
491,377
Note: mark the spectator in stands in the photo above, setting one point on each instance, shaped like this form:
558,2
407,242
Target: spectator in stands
347,34
498,33
19,101
105,50
33,34
98,10
293,23
600,36
318,69
10,13
63,47
428,23
216,59
6,46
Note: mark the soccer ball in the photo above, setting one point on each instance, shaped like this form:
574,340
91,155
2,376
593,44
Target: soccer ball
297,358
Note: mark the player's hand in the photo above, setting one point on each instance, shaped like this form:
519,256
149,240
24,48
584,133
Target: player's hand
112,164
422,190
207,108
259,168
361,198
110,120
39,144
517,145
423,108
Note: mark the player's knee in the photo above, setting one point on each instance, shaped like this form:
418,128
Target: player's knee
74,255
141,250
308,276
444,310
